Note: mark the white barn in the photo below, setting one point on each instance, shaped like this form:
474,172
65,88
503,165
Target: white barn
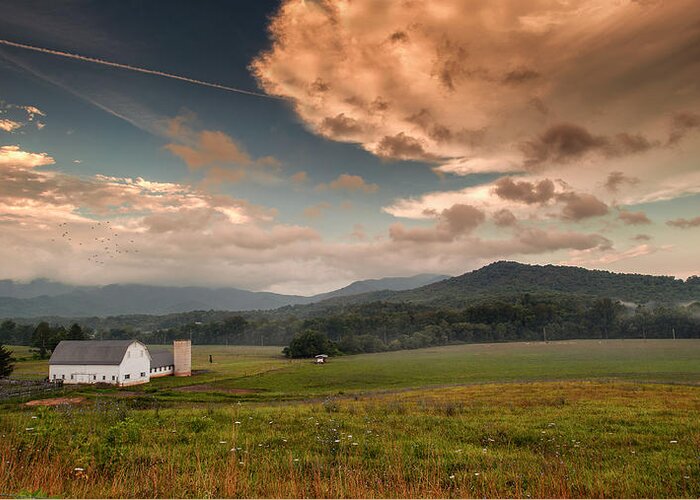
118,362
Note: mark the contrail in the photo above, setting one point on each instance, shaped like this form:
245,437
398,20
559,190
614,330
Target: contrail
78,57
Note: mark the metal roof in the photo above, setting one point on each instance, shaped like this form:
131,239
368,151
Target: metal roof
161,357
90,352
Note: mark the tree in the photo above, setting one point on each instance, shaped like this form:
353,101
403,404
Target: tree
76,333
45,339
309,343
7,362
41,337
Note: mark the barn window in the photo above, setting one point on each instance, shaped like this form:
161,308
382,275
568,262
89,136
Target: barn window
63,377
127,376
143,374
71,377
54,376
94,377
104,377
112,377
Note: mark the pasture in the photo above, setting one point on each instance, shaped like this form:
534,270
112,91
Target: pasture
565,419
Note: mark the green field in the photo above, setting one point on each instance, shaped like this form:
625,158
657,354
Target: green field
564,419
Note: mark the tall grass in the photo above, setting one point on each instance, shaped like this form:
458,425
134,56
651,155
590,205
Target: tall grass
516,440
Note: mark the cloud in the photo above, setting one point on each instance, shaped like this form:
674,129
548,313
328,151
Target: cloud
217,154
523,191
340,126
633,218
684,223
504,218
212,148
682,124
299,177
592,257
14,157
642,237
538,240
461,219
617,179
9,125
578,206
565,142
169,232
19,117
402,147
316,211
407,89
453,222
349,183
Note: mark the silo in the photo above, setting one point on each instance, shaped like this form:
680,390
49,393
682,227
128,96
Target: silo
182,354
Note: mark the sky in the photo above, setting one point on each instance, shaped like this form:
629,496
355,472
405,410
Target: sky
300,145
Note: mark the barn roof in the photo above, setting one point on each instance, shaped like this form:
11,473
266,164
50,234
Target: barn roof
90,352
161,357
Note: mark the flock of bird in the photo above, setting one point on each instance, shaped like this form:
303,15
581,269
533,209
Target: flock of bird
104,241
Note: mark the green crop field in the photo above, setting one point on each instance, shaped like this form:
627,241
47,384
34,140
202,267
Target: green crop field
564,419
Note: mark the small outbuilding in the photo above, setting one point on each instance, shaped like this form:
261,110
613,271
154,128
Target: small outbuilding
320,359
117,362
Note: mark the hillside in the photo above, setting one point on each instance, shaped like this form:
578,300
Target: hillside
508,279
512,278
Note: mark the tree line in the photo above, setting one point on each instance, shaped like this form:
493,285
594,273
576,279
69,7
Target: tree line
382,326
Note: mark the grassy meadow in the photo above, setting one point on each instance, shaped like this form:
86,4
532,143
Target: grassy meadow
564,419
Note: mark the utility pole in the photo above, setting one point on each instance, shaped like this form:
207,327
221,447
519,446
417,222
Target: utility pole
544,333
673,330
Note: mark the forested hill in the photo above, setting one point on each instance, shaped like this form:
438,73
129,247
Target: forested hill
506,279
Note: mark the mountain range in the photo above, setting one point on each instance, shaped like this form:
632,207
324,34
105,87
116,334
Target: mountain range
47,298
498,280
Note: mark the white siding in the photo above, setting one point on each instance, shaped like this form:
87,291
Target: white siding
84,374
137,361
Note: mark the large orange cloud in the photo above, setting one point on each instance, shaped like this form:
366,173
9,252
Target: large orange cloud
474,82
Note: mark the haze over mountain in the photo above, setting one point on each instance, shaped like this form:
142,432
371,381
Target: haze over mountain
46,298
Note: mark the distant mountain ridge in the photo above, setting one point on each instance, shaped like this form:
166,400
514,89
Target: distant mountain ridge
46,298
